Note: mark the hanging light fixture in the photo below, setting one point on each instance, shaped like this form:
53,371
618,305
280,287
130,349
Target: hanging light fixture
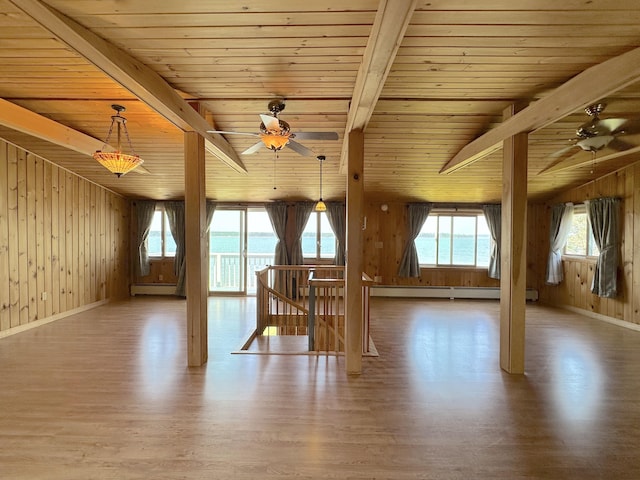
118,162
321,206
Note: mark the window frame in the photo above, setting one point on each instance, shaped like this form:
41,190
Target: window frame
317,258
164,231
444,213
589,240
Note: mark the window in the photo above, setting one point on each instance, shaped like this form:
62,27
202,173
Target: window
459,240
580,241
160,242
318,240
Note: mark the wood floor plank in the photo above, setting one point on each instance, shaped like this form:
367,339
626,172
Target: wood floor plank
106,394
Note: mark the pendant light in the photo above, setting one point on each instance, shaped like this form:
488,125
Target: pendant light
118,162
321,206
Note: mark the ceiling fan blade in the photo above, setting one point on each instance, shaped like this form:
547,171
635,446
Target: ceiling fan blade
562,151
301,149
620,145
271,123
622,126
317,135
253,148
221,132
608,126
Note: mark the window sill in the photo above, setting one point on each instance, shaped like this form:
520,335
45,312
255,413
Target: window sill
579,258
454,267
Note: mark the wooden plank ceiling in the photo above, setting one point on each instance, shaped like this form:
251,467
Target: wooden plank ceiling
446,78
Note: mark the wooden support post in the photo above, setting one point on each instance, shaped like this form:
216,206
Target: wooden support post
354,254
195,255
513,264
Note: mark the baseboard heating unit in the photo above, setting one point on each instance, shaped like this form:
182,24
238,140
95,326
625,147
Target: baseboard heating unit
444,292
153,289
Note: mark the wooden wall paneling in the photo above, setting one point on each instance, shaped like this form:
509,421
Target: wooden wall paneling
79,201
23,260
62,238
5,318
103,246
86,285
14,264
40,262
75,274
92,243
47,238
635,247
32,261
55,241
31,279
69,240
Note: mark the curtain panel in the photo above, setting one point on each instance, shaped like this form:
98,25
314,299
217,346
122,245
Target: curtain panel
182,274
493,215
175,215
416,216
561,219
603,218
337,216
303,211
277,212
144,213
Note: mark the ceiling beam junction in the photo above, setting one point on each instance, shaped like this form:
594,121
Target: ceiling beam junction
582,90
387,32
132,74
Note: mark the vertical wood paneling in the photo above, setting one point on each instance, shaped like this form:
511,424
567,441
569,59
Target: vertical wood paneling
32,261
92,243
53,253
12,207
41,260
69,243
47,238
86,285
75,274
55,241
80,267
575,291
62,239
5,319
23,261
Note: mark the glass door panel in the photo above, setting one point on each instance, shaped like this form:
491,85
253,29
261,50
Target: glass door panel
261,245
227,251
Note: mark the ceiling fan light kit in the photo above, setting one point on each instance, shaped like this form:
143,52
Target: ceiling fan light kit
596,133
118,162
275,134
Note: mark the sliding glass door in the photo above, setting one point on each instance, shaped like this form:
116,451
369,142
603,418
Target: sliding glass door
241,241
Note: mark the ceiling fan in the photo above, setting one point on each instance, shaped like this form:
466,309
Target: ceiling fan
275,134
597,133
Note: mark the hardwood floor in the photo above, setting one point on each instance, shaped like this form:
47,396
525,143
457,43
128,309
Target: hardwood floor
107,395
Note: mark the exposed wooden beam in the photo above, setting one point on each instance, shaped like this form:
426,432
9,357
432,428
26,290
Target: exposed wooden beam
589,86
387,32
354,257
23,120
132,74
513,251
585,158
195,251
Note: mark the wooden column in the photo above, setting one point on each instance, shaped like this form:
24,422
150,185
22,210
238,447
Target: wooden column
354,253
513,264
195,229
